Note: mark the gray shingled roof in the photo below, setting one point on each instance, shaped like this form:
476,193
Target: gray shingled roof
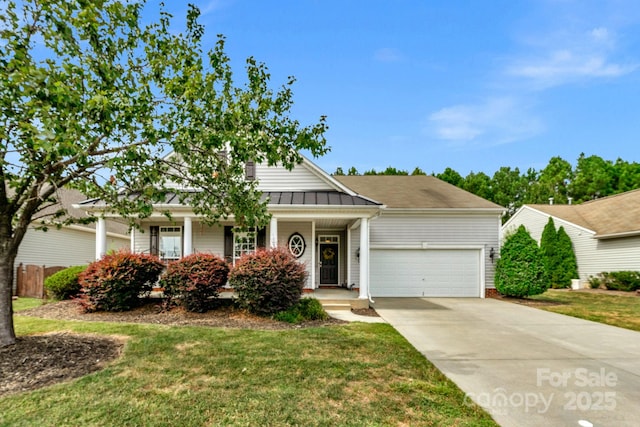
414,191
607,217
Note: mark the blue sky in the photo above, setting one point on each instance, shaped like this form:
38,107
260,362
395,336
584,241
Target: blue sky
471,85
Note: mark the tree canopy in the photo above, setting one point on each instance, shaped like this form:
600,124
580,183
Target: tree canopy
93,99
558,182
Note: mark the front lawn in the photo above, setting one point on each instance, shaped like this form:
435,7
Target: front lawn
357,374
26,303
616,310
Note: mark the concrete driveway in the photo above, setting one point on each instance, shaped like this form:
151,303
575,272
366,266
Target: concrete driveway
525,366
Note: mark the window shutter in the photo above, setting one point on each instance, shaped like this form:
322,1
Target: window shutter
228,243
154,244
261,238
250,170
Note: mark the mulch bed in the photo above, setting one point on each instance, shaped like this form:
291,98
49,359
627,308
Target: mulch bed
40,360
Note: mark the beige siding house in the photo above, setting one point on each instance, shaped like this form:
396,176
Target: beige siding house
401,236
605,232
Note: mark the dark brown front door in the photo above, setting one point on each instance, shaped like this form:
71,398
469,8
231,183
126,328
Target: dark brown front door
328,263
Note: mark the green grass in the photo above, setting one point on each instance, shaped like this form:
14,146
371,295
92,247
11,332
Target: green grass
353,375
26,303
622,311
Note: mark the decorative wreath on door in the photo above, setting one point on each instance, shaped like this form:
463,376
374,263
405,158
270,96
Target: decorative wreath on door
297,245
328,254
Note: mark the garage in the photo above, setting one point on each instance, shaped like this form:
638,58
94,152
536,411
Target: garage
425,272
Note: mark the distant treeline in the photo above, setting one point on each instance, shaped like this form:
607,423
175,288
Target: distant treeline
593,177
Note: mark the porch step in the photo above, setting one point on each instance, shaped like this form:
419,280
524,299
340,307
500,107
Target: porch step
336,306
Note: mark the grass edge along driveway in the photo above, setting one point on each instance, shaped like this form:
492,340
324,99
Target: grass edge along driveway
353,375
610,309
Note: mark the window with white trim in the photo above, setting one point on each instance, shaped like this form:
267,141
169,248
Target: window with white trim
170,243
243,243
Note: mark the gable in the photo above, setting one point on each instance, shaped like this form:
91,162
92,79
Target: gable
609,217
303,177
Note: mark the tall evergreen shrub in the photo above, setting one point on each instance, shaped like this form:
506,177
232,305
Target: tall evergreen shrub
520,270
560,260
568,264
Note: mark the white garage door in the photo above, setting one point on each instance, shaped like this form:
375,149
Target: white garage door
426,272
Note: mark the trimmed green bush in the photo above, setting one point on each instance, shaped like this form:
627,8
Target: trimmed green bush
558,255
268,281
568,264
64,284
622,280
118,281
520,270
305,310
195,281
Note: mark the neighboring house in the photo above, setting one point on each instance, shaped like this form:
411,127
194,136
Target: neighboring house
605,232
385,235
68,245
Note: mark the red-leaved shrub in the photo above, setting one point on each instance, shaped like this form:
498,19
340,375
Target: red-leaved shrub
118,281
268,281
195,280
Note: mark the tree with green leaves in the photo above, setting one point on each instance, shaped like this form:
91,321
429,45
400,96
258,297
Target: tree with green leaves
479,184
451,176
594,178
520,270
93,99
508,189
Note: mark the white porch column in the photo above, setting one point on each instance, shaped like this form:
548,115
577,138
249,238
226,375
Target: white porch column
132,240
188,237
101,238
364,258
273,233
314,260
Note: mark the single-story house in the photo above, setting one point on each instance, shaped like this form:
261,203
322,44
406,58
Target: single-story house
605,232
68,245
384,235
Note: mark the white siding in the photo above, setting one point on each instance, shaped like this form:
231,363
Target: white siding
593,255
355,262
62,247
300,178
452,230
286,229
208,239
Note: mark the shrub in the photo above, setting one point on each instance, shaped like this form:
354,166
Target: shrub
306,309
64,284
117,281
520,270
622,280
558,256
195,280
268,281
568,265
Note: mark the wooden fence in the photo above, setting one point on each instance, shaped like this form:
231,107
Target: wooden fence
30,279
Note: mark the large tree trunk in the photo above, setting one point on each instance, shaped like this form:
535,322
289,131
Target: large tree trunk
7,333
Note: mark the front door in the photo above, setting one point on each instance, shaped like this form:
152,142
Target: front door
328,263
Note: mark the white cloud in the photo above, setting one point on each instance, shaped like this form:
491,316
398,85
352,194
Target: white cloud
567,58
387,54
212,6
496,121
